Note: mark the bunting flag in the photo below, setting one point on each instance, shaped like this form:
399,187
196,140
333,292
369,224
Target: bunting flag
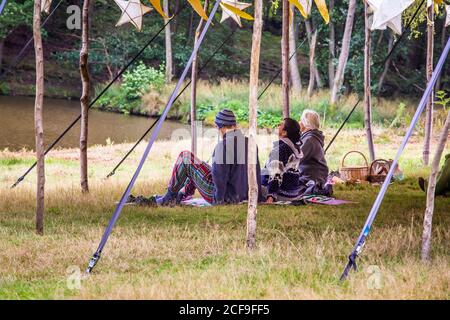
234,10
157,5
45,6
304,6
387,13
197,6
132,12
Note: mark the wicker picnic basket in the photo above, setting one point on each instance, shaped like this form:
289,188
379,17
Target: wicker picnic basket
354,173
378,170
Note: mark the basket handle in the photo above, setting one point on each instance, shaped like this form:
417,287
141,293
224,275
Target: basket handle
354,151
379,160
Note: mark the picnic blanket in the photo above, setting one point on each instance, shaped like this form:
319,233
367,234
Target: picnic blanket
314,199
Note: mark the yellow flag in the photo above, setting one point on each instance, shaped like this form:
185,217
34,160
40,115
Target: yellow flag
236,11
299,7
157,5
322,6
197,5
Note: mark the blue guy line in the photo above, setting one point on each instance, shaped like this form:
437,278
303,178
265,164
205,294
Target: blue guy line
373,212
2,6
152,139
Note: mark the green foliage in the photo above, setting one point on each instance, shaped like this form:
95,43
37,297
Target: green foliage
142,78
15,14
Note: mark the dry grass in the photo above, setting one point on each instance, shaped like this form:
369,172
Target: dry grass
170,253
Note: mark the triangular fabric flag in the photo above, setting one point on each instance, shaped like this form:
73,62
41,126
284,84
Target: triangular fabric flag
233,9
304,6
322,6
157,5
387,13
197,6
132,12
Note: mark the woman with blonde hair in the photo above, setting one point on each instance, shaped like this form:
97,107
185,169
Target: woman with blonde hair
313,166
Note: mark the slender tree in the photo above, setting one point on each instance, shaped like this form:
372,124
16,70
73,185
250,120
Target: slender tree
428,218
367,83
312,64
429,71
194,74
386,65
253,108
285,58
168,37
84,100
331,45
293,62
345,48
38,111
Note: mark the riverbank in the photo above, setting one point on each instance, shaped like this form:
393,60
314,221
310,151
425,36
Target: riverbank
192,253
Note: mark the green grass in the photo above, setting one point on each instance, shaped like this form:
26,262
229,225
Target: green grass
199,253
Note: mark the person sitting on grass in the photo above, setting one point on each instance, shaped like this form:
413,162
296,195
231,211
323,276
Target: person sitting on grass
442,181
313,166
225,182
281,177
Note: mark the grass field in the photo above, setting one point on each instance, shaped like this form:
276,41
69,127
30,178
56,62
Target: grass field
172,253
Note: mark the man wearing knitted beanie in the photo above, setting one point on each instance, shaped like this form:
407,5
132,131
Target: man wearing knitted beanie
225,181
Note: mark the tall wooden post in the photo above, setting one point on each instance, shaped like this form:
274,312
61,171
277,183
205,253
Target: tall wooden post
428,218
38,111
367,86
168,39
285,58
194,74
84,100
253,108
429,66
331,46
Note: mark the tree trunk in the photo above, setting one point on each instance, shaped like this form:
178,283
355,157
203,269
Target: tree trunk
343,57
367,84
386,66
38,123
253,108
84,100
312,66
293,63
429,66
194,71
285,59
428,218
331,46
169,61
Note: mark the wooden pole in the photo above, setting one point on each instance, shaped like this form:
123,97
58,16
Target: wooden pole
293,63
168,39
429,66
312,65
194,75
253,108
428,218
84,100
285,58
38,111
367,82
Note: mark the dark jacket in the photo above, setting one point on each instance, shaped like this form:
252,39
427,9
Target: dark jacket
229,169
281,174
313,165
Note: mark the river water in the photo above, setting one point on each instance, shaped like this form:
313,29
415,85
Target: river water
17,124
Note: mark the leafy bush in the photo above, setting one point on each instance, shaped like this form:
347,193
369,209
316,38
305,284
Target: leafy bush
137,81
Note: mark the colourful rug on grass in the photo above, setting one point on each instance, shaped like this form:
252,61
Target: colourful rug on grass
200,202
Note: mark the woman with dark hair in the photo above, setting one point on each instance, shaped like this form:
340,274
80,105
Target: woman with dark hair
281,177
